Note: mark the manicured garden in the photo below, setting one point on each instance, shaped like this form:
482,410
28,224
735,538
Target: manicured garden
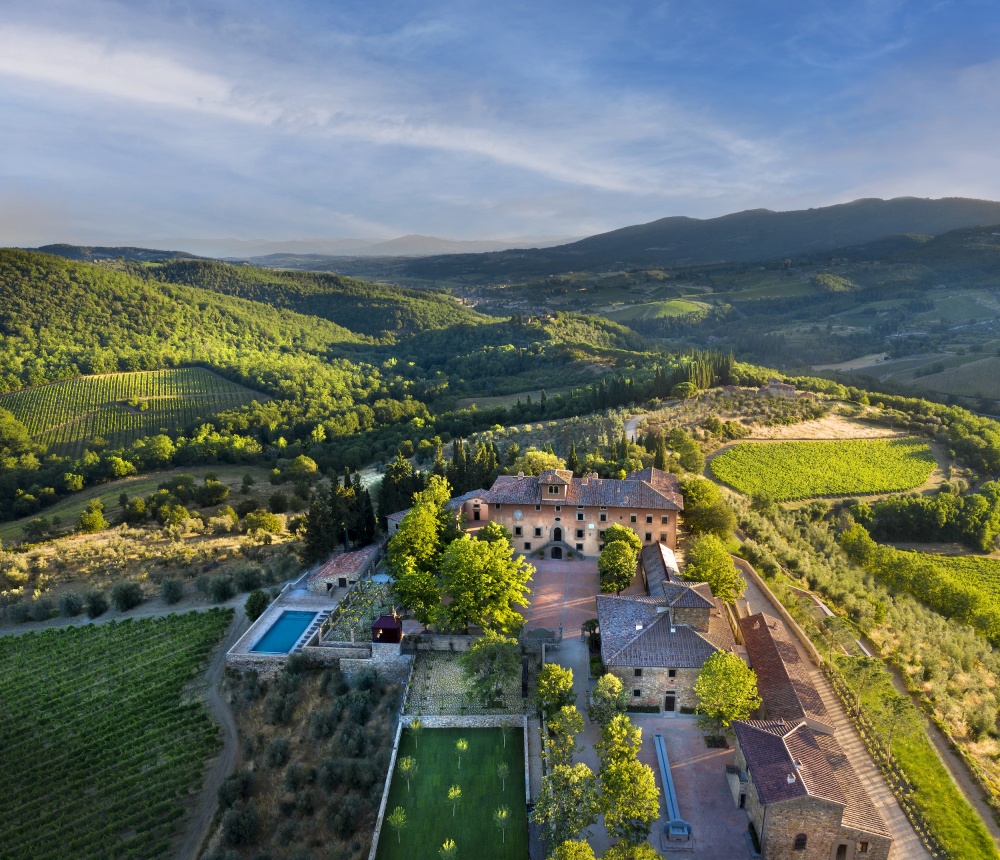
800,470
101,746
431,818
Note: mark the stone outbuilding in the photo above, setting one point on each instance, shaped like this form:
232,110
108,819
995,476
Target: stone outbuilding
469,508
802,796
345,568
657,645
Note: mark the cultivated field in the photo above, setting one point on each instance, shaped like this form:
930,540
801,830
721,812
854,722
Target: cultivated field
121,407
100,748
430,816
800,470
978,571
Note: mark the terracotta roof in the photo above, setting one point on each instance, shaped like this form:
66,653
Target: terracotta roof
782,678
785,761
636,631
453,504
346,564
646,489
860,813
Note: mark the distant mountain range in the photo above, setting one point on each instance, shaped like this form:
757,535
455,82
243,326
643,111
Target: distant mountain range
743,237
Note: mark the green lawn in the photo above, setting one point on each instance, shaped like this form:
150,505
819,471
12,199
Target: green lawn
430,820
802,470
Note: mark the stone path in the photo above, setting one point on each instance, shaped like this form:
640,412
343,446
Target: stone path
906,843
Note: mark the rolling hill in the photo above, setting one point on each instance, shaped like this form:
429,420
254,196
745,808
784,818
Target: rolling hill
753,235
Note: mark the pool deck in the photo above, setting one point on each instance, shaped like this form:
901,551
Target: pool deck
295,598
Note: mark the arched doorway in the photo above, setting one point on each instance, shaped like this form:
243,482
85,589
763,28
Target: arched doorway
557,534
557,552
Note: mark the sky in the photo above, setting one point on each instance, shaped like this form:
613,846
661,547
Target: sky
137,121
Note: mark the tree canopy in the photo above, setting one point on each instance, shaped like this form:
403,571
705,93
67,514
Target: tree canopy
616,565
726,689
709,561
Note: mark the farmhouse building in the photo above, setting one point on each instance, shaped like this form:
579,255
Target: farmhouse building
469,508
556,515
344,569
801,794
656,645
777,388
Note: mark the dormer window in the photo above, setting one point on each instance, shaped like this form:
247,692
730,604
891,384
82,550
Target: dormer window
553,490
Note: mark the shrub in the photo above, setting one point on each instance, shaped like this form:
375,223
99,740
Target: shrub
247,578
240,825
70,604
19,612
171,591
278,502
220,588
263,521
126,595
41,609
278,752
96,602
236,787
256,603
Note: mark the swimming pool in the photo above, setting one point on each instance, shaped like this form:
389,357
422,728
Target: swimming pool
284,633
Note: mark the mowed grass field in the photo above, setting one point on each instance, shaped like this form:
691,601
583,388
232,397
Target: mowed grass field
801,470
121,407
977,378
429,815
101,751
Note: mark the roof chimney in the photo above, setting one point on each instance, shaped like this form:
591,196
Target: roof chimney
520,475
638,627
791,778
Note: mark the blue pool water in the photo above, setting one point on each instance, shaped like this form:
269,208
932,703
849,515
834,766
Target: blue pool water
284,633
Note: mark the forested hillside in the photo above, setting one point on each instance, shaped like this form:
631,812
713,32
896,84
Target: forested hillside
370,309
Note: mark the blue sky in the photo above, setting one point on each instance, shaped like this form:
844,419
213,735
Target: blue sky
131,121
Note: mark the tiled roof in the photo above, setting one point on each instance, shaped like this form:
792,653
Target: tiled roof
785,761
636,632
860,813
782,678
346,564
453,504
648,489
771,749
660,565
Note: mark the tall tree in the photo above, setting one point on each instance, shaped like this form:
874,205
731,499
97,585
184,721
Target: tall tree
485,581
568,802
726,689
616,565
490,664
609,699
709,561
573,460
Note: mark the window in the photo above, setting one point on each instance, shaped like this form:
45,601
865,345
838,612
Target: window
604,518
663,537
538,507
862,848
518,531
600,547
558,519
579,507
579,534
527,545
579,516
649,519
649,536
664,520
558,507
600,534
671,673
638,673
538,531
579,547
637,693
632,518
496,507
800,842
604,507
553,490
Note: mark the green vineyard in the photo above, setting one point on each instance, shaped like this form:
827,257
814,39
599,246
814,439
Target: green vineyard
121,407
802,470
100,750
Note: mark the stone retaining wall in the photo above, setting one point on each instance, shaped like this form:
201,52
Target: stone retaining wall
322,654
